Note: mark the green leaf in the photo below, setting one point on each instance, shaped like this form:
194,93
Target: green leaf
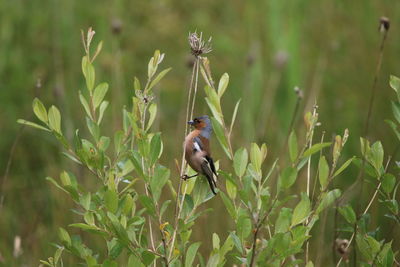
229,205
226,247
240,161
348,213
155,148
288,177
103,143
344,166
234,115
103,108
293,148
88,228
283,221
88,72
328,199
323,172
157,182
215,241
32,124
158,78
191,253
368,168
55,119
39,110
118,229
365,147
136,84
243,227
65,179
237,242
213,103
110,263
213,260
223,84
57,255
64,236
85,200
315,148
118,138
153,113
147,257
148,204
302,210
396,110
134,261
375,156
394,128
56,184
99,94
231,188
85,104
255,156
395,83
164,207
388,183
93,129
115,251
219,132
111,200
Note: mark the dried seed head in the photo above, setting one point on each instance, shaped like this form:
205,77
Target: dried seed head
298,92
38,83
281,58
384,24
197,45
116,26
341,246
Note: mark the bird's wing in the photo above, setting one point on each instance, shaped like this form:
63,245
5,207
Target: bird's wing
212,166
198,144
207,171
207,166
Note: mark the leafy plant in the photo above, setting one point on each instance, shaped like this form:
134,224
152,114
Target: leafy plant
273,213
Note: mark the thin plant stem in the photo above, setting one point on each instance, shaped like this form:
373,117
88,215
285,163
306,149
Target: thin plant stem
190,107
365,211
9,162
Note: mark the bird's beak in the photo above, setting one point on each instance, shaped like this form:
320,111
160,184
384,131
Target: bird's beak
190,122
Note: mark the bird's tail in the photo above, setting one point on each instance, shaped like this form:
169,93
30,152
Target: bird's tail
209,175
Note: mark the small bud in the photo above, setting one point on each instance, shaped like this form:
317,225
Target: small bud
17,247
384,24
298,92
345,136
116,26
281,58
38,83
341,246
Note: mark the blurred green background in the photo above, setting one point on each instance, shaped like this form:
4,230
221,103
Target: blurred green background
327,48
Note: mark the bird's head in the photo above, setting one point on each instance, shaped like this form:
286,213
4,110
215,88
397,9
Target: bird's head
203,124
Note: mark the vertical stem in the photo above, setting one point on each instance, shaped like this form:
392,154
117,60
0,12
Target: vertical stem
179,203
309,175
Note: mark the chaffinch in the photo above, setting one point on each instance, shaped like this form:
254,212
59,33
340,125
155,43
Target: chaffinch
197,150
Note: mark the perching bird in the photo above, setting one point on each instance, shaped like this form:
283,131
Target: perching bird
197,150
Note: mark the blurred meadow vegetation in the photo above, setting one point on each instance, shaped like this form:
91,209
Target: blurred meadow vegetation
329,49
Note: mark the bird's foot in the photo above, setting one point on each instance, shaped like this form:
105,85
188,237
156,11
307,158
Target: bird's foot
186,177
